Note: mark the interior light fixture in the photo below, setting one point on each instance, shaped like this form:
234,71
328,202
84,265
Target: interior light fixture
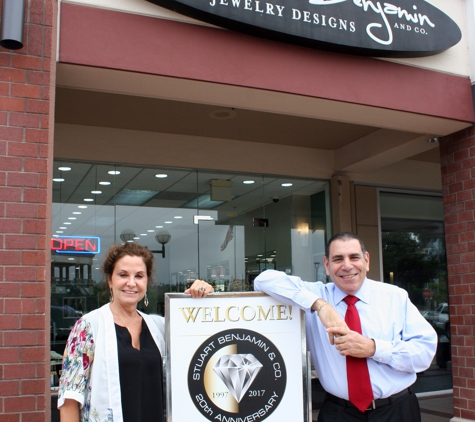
114,172
286,185
72,218
161,176
82,206
77,212
63,228
248,182
127,235
105,183
64,168
88,200
159,227
433,140
162,237
178,217
58,179
59,231
168,222
65,223
96,192
150,231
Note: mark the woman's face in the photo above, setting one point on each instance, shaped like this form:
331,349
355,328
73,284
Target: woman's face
129,281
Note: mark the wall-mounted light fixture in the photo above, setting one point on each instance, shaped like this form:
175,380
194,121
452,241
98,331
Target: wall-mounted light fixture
127,235
13,17
162,237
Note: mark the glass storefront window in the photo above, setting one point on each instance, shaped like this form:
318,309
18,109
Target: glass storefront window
224,228
413,250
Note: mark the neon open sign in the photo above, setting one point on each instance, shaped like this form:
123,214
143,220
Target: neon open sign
76,244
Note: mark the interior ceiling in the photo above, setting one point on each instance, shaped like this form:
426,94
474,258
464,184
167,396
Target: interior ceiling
135,198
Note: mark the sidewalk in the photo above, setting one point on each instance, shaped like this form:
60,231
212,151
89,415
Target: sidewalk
435,407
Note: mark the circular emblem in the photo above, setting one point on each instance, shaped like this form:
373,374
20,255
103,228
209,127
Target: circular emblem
237,374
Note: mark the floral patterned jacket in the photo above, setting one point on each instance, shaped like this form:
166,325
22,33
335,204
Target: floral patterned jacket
90,372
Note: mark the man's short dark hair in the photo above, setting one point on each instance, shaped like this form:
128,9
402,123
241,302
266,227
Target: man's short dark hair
344,236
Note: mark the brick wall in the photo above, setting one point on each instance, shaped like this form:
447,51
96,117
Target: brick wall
458,181
26,116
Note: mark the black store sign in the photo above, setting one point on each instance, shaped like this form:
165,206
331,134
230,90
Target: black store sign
397,28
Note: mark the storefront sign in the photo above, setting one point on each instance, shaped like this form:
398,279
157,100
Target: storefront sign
76,245
235,357
399,28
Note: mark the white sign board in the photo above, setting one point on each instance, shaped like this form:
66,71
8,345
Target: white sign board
237,357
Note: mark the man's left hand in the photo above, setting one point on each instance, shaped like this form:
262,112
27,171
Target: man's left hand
351,343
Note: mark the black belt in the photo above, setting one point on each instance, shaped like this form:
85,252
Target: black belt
375,404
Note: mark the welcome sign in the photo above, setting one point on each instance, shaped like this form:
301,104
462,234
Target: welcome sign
235,358
397,28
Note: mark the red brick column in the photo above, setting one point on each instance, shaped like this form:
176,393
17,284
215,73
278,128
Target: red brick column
26,151
458,181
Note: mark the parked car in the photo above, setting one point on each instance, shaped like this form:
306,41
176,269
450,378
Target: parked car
440,319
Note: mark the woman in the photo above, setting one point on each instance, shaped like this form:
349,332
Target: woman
112,365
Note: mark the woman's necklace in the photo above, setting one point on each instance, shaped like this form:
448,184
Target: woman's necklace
124,324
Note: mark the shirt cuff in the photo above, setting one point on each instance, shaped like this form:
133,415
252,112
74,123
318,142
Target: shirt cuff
306,299
383,351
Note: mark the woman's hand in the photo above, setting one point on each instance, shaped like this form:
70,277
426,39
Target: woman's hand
199,289
69,411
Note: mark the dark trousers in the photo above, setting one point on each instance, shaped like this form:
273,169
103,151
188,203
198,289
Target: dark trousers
404,409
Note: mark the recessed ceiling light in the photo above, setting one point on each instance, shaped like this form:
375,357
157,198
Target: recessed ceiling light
96,192
114,172
159,227
70,259
151,231
223,114
97,268
168,222
137,238
82,206
104,183
72,218
77,212
59,231
88,200
178,216
143,234
64,168
66,222
161,176
249,182
259,255
63,228
58,179
286,185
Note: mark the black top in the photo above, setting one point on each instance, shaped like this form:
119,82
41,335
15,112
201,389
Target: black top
141,378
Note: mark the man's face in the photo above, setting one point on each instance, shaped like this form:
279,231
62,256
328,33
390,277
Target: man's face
347,265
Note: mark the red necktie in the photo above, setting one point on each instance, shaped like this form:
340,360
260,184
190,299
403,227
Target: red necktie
359,383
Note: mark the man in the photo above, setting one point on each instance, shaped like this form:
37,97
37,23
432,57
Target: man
366,376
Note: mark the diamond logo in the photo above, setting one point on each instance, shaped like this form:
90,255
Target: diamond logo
238,372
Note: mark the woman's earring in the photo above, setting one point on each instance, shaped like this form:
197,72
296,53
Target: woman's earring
111,296
145,300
